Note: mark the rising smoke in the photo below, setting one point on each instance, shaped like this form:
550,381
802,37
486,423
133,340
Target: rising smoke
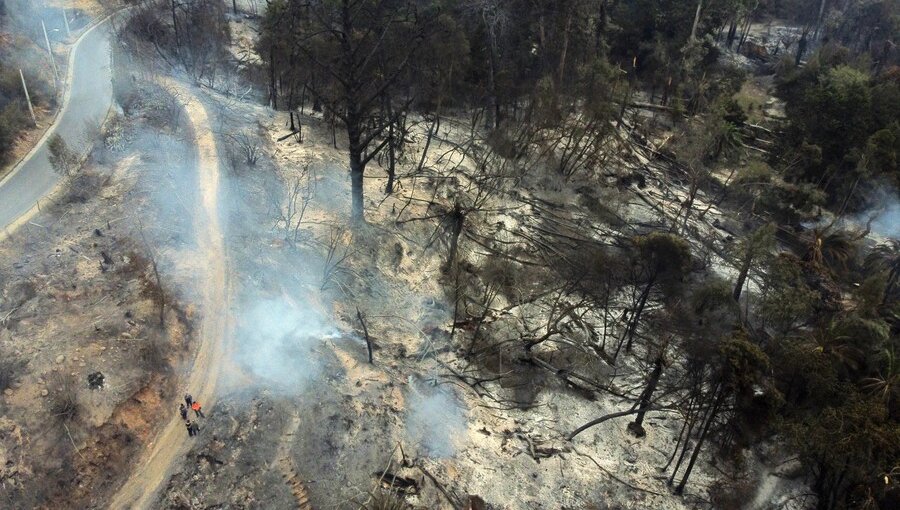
434,421
887,221
276,342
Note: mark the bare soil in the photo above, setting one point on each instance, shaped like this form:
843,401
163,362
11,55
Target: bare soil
78,296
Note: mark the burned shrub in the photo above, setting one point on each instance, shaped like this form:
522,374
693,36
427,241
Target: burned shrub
63,397
64,160
10,369
244,149
387,501
154,354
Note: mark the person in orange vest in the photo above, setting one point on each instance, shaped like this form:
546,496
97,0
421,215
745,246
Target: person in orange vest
197,409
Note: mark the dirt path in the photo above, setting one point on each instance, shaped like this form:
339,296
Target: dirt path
155,466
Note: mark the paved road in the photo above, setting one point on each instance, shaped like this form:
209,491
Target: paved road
88,103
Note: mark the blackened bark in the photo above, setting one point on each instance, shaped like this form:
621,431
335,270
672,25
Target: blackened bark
357,169
642,302
720,396
458,219
732,33
273,91
637,426
742,277
175,27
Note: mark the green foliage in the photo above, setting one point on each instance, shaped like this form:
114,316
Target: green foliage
857,341
837,111
834,251
754,173
852,446
744,362
881,153
870,295
787,301
790,203
663,256
848,114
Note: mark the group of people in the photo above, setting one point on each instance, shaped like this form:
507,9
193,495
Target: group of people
189,403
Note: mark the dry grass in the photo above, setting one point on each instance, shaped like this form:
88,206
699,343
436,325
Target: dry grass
64,405
387,501
154,354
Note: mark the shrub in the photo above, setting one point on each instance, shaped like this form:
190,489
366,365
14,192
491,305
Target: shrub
10,367
387,501
64,160
63,396
153,355
12,121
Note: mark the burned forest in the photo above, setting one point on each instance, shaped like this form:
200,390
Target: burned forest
450,254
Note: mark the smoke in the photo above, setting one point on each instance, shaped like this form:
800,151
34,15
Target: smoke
887,222
434,421
281,328
885,215
275,343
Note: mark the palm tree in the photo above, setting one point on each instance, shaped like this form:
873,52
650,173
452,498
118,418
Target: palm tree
831,250
887,383
886,257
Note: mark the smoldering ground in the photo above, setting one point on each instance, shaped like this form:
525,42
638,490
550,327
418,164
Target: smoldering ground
886,213
290,290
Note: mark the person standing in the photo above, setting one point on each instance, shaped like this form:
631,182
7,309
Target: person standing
188,399
195,428
197,409
183,411
190,428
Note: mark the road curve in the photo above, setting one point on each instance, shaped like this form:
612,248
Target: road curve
84,109
165,453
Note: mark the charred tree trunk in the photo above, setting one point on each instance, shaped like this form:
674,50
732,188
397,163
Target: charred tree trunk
391,145
392,161
362,322
457,219
637,426
801,47
642,302
732,33
742,277
494,106
720,396
683,436
175,27
357,169
561,72
273,90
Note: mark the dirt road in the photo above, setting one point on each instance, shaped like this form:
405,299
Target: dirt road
155,466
